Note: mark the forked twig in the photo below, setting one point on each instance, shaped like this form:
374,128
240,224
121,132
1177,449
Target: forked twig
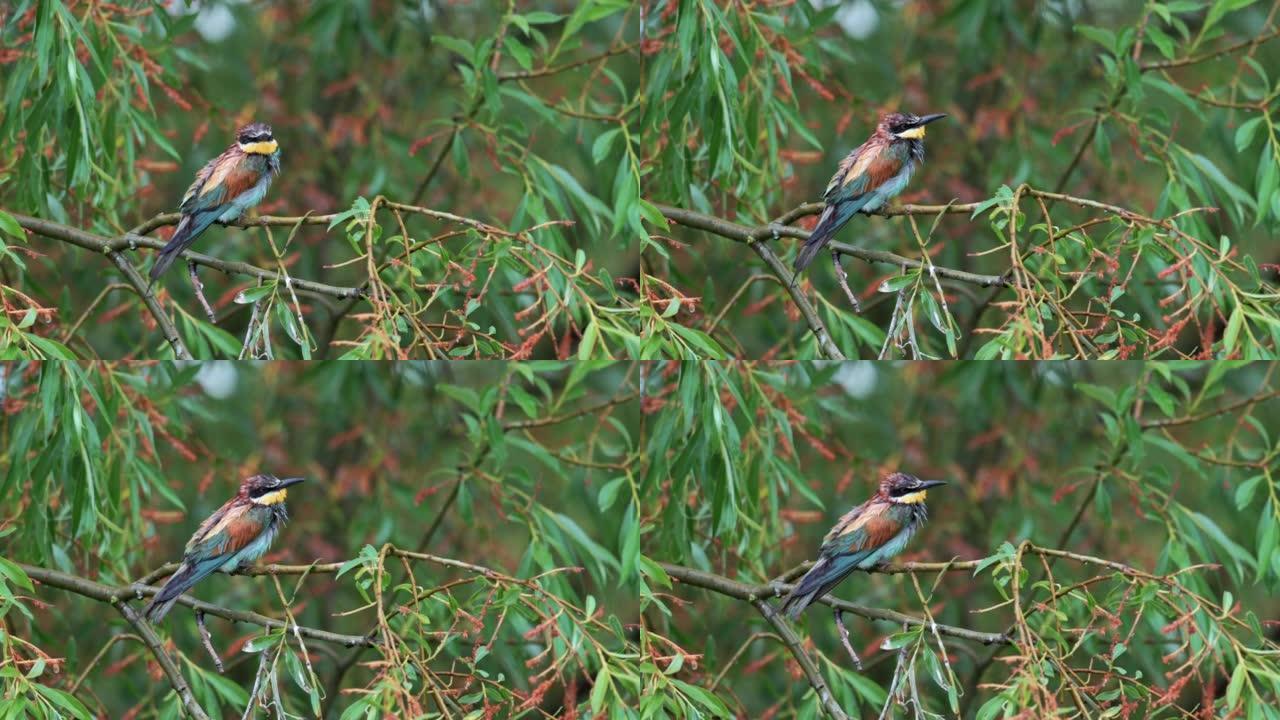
199,288
843,279
208,640
844,639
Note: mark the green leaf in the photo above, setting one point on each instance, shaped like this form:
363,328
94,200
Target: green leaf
1235,686
599,689
14,574
9,226
600,148
1234,323
589,338
1102,36
1245,133
1246,489
63,700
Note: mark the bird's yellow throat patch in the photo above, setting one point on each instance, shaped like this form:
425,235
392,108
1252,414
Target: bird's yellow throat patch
912,498
914,133
272,498
266,147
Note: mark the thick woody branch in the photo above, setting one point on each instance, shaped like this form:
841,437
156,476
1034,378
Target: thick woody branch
153,306
311,219
130,241
780,228
324,568
755,593
115,254
807,666
154,644
117,596
120,596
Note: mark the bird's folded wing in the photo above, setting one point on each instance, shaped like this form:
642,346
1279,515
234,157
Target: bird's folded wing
233,178
862,533
227,531
225,178
193,193
864,170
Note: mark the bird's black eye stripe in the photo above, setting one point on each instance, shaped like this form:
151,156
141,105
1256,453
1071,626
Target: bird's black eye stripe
900,491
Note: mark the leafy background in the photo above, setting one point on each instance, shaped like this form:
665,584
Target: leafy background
507,179
1142,114
1169,468
108,469
1114,525
486,111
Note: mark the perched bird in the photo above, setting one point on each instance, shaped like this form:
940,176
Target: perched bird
868,177
867,536
232,538
224,188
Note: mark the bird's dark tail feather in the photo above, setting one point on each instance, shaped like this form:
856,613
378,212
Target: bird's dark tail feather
811,587
164,600
818,239
189,228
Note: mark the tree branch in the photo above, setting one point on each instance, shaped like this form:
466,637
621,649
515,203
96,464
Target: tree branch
780,228
754,593
112,247
154,644
793,643
141,287
118,596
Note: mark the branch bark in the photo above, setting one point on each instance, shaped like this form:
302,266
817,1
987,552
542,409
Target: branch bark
131,241
118,596
753,593
153,643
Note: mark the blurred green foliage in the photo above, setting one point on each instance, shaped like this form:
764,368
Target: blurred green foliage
1168,468
1142,114
522,468
487,111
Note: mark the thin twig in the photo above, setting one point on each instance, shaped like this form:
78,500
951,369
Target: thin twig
844,638
199,288
208,640
842,277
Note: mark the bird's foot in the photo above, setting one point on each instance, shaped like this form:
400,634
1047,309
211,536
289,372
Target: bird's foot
843,278
208,640
844,640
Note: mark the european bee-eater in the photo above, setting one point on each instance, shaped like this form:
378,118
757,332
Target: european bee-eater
867,536
224,189
232,538
868,177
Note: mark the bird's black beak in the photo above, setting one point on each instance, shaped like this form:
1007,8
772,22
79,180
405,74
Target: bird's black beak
926,484
930,118
289,481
